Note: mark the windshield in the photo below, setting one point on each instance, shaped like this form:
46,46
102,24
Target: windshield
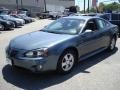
65,26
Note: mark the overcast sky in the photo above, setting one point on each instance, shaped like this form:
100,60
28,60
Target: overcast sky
81,2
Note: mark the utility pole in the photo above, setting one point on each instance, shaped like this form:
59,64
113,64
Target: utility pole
17,4
84,6
21,3
88,5
45,5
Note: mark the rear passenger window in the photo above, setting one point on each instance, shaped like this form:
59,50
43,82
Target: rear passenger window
106,16
102,23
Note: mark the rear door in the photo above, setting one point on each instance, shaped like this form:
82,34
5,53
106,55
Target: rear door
104,32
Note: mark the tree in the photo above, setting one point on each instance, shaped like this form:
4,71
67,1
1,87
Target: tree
101,7
113,6
106,7
93,10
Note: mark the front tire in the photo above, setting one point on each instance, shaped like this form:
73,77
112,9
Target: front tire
2,27
66,62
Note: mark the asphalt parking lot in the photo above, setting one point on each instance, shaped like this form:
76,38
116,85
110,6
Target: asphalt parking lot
100,72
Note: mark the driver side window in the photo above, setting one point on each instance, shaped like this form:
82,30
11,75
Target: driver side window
91,25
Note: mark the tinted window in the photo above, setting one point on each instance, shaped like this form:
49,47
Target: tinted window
91,24
102,23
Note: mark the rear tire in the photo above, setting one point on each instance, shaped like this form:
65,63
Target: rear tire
66,62
15,24
112,44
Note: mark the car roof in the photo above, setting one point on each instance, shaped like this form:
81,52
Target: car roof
81,17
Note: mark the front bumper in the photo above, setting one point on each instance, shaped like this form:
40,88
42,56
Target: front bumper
33,64
19,24
11,25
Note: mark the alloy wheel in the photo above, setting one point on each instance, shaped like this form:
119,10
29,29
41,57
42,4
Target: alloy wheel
112,45
67,62
2,27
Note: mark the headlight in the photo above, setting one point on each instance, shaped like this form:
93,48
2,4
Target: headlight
36,53
23,21
17,22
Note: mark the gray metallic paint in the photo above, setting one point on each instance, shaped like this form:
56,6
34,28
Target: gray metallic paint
56,43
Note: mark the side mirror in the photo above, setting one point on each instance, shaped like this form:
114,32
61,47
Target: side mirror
88,31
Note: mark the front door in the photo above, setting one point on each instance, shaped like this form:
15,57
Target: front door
90,41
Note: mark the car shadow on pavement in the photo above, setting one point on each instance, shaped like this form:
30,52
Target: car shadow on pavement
18,27
7,30
30,81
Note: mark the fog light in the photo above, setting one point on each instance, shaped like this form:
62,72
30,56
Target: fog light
39,67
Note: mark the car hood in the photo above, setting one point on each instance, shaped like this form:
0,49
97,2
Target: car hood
16,19
19,19
38,39
12,19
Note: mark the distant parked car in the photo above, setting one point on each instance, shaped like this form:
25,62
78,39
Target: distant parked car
25,19
43,15
60,45
6,24
53,15
24,12
57,15
17,22
4,11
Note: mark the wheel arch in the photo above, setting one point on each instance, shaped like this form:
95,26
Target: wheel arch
71,48
115,36
74,50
